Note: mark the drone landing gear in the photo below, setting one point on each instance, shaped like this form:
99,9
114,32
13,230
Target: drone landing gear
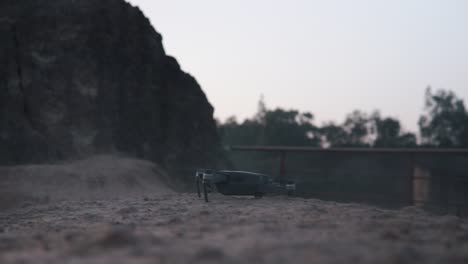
198,187
199,182
205,191
205,188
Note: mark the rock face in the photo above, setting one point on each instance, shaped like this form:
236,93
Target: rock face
80,77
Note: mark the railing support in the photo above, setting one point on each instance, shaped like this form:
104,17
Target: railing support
411,192
282,169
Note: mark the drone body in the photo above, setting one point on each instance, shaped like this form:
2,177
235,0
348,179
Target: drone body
238,183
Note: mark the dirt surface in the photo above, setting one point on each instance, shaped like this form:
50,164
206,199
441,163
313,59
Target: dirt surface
94,178
109,209
179,228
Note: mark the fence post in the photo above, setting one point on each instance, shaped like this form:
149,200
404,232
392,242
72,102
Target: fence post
282,169
411,180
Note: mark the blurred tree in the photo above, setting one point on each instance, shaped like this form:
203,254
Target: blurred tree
408,140
389,134
363,130
445,122
333,135
271,127
359,129
356,131
233,133
289,127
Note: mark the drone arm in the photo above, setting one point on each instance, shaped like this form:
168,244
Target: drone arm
214,178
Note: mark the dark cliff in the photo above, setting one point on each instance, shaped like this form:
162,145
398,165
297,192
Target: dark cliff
80,77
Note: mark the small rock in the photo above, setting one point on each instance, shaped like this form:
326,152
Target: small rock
117,237
390,235
210,253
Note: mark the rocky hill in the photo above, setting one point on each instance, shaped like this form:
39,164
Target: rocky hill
83,77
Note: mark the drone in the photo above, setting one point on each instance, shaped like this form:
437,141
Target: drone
241,183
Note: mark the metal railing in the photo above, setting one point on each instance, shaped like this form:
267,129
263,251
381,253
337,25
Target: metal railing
434,178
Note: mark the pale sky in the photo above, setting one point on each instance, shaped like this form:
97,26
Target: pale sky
328,57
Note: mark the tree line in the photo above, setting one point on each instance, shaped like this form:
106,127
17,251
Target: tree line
444,124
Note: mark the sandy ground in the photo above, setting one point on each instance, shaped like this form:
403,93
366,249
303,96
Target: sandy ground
178,228
94,178
165,227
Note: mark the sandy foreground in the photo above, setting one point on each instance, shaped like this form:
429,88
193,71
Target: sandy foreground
167,227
